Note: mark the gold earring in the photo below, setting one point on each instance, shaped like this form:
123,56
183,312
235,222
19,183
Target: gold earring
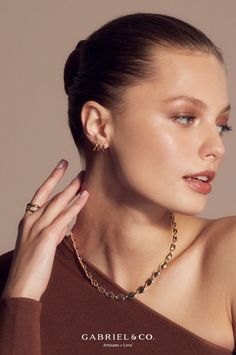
99,146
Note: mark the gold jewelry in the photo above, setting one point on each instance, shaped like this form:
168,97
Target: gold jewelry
140,289
99,146
32,207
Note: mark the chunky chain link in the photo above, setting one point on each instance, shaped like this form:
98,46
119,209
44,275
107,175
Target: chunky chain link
148,282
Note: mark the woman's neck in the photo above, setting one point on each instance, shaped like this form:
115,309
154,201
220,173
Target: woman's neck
125,242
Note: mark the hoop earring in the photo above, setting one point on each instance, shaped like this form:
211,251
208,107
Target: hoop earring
99,146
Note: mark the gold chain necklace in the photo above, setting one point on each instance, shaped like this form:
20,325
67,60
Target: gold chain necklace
140,289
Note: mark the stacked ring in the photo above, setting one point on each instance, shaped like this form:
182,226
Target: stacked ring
32,207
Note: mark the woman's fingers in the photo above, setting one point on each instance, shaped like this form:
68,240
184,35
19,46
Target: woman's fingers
60,223
39,233
41,198
55,206
42,193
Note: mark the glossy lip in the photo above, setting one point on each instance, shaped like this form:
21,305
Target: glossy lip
209,173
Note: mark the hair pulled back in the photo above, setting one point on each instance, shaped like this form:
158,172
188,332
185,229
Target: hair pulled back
116,56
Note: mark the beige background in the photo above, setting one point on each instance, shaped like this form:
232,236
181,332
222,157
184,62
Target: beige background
36,38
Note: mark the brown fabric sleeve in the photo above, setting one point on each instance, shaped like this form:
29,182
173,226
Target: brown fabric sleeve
20,326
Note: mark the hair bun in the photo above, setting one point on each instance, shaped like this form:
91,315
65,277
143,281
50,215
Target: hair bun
72,65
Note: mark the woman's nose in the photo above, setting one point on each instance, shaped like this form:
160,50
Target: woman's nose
212,146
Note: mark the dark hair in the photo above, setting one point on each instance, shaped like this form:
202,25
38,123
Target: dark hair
116,56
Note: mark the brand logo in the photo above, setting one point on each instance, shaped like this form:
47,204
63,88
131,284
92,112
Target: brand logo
118,336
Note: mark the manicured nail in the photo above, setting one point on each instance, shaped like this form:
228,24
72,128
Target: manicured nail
83,194
61,163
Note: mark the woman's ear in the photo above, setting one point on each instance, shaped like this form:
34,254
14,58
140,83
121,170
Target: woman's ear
97,122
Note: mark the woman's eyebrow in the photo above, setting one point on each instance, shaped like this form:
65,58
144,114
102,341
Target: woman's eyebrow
195,101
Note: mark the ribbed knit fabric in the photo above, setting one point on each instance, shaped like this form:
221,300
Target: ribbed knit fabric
72,318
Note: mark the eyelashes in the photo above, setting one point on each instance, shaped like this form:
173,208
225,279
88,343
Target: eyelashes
187,120
225,128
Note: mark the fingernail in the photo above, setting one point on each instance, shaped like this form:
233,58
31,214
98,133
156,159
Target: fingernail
83,194
61,163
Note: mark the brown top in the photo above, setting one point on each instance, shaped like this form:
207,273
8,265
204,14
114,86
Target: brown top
72,318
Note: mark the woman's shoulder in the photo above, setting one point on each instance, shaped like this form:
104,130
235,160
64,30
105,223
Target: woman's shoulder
219,244
219,259
221,235
5,265
215,240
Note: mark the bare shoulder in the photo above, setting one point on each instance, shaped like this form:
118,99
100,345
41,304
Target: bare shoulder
219,259
220,245
221,238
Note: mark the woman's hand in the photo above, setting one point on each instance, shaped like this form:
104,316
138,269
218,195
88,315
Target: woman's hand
39,233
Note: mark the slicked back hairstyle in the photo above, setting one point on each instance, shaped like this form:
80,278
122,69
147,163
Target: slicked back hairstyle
118,55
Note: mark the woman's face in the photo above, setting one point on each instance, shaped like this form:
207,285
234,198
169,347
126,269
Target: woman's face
172,127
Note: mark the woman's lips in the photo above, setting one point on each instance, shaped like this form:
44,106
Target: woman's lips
198,185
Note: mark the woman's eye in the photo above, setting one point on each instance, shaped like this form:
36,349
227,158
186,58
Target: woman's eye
187,120
224,128
184,119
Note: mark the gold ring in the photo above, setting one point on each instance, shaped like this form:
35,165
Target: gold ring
32,207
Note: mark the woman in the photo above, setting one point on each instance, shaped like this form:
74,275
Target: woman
148,108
